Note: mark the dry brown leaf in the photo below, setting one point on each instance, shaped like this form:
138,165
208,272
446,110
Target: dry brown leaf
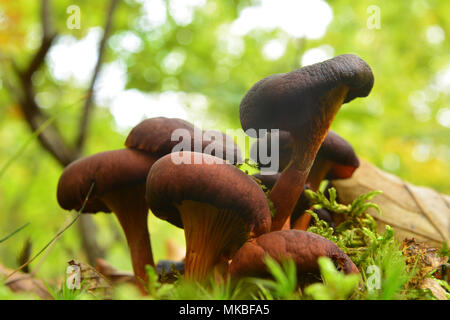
412,211
25,283
434,287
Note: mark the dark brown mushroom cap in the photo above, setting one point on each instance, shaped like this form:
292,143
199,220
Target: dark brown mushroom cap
154,135
334,148
303,247
221,141
287,101
325,215
337,150
219,184
109,170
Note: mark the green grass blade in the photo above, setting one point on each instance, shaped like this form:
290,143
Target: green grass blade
57,235
14,232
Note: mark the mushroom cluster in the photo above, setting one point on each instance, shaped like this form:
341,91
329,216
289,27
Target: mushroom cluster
118,179
224,212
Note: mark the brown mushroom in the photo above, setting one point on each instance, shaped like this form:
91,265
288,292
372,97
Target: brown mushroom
119,186
218,206
335,159
303,247
159,137
304,103
154,135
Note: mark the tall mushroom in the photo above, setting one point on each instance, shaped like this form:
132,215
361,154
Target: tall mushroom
119,186
218,206
303,247
304,103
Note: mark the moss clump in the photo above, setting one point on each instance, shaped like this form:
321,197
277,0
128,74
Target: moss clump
389,270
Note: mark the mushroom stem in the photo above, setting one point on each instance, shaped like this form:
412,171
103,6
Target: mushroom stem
211,237
132,216
285,194
302,223
317,173
305,145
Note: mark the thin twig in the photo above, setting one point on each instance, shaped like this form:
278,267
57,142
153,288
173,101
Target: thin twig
14,232
84,121
57,235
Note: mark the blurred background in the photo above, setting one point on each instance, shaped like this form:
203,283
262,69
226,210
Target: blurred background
195,59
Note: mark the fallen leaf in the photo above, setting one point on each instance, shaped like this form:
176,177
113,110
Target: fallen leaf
434,287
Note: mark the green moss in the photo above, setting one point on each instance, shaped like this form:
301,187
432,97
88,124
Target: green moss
385,270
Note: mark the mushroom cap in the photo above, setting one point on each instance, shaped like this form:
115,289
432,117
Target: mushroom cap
334,148
230,150
339,151
109,170
154,135
303,247
289,100
214,182
325,215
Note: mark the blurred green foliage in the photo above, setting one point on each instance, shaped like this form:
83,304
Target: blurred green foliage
403,126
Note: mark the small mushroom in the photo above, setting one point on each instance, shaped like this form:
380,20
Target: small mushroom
325,215
168,268
154,135
119,186
335,159
303,102
222,146
303,247
218,205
